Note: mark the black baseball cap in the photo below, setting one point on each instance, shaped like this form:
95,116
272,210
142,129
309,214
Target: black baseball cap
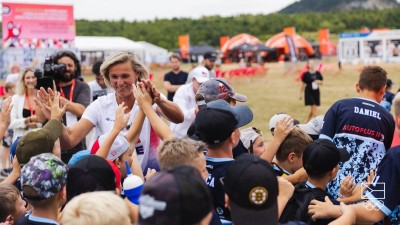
215,89
216,121
176,196
210,55
252,187
322,155
91,173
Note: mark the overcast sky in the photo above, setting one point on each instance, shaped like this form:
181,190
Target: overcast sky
150,9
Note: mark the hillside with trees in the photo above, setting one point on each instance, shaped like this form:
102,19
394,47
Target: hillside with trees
304,6
207,30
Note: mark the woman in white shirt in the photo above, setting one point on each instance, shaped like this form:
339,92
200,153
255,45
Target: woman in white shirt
23,117
121,70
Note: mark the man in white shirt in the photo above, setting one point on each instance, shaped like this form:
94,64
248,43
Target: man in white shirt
185,99
97,86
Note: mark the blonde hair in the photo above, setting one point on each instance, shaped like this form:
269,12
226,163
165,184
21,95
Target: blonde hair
96,208
174,152
122,57
21,78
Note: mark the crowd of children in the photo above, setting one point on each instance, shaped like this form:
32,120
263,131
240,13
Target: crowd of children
307,174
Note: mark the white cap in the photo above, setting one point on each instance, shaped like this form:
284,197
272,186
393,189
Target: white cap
131,182
249,135
275,118
314,126
200,73
118,147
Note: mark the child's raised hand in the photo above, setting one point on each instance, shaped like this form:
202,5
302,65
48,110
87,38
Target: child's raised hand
121,119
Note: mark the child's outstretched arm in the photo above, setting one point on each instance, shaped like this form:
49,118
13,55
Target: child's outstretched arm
121,119
144,100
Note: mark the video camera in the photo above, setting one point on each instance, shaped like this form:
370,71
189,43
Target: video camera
49,73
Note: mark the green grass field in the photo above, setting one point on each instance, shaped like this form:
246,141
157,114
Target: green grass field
275,92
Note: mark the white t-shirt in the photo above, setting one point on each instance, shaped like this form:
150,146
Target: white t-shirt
102,114
185,98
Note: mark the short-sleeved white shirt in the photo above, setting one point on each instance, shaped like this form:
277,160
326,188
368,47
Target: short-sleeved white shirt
102,114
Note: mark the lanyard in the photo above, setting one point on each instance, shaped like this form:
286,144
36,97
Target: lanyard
71,93
29,104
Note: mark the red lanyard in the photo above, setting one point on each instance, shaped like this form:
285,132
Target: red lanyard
71,93
29,104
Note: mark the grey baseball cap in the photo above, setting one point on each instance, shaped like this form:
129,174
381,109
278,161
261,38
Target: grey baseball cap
215,89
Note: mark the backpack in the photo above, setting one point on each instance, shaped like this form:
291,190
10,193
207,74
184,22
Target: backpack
297,207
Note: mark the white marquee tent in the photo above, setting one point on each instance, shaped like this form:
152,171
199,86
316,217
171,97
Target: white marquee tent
154,53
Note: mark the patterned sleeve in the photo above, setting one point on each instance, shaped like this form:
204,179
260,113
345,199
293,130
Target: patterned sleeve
384,192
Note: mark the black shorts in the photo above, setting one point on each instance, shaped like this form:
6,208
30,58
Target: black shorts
312,98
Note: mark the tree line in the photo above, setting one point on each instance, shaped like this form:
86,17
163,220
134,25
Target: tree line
208,29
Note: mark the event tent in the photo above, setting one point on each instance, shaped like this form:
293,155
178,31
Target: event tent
201,49
154,53
238,40
92,43
279,41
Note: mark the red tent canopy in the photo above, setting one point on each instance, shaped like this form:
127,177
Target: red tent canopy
239,40
279,41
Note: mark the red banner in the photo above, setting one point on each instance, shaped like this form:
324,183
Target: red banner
38,25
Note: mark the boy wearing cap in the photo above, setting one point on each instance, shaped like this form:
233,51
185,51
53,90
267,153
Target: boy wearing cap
253,140
215,89
217,124
320,160
362,126
255,201
43,181
175,196
185,99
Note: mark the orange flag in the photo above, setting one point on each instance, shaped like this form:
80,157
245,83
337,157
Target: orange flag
184,45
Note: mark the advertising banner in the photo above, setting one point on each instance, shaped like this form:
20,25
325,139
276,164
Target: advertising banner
37,25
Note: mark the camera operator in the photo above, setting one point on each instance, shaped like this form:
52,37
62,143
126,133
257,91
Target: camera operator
74,92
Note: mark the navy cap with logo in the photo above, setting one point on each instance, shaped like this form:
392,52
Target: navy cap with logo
176,196
215,89
216,121
252,187
210,55
322,155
